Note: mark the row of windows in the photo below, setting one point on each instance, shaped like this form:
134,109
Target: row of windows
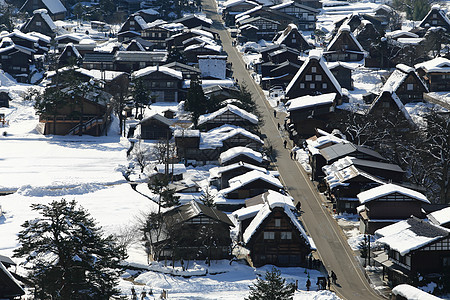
317,77
284,235
313,85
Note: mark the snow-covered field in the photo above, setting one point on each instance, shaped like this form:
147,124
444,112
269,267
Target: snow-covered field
40,169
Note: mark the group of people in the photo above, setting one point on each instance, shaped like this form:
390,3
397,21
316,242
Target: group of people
323,282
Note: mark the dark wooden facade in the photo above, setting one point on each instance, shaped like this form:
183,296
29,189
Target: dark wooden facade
155,127
436,74
267,28
4,99
251,189
56,11
277,241
436,17
240,168
306,15
192,21
406,84
164,83
16,60
343,74
39,23
227,116
187,71
344,47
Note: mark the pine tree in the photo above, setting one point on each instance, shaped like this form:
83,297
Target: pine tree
66,254
195,100
140,94
273,287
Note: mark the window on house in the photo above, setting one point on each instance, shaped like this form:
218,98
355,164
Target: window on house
434,15
385,105
324,85
312,86
286,235
318,77
308,77
410,86
408,260
5,56
302,85
69,54
38,23
269,235
353,57
313,69
277,222
305,15
294,41
170,84
131,22
434,22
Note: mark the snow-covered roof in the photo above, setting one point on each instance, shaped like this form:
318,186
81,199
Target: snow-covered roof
246,14
210,83
410,41
395,34
217,171
41,36
200,39
286,32
435,8
335,178
342,29
152,69
186,133
140,21
264,213
314,54
411,234
214,138
310,101
241,180
440,217
247,212
74,49
160,118
54,6
395,80
231,3
46,17
387,189
73,36
438,64
231,108
176,169
335,64
216,48
412,293
173,26
236,151
149,11
202,33
315,144
25,36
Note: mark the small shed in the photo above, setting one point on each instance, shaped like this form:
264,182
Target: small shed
155,127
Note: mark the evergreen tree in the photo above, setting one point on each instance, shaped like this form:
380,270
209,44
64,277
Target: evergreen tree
175,55
273,287
195,100
66,254
140,94
48,103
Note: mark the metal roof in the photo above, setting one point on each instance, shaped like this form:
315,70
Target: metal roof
193,209
346,149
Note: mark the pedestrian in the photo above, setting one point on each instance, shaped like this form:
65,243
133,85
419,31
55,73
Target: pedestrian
290,153
285,143
333,277
295,155
328,281
274,113
308,284
279,126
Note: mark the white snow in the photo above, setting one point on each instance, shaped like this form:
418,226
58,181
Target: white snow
55,6
231,108
310,101
152,69
235,151
412,293
214,138
390,188
440,217
438,64
241,180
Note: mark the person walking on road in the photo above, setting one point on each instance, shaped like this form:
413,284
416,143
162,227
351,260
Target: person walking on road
290,153
274,113
285,143
333,277
328,281
308,284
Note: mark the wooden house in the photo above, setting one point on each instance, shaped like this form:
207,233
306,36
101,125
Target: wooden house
220,176
193,51
231,8
440,217
55,8
307,113
126,36
129,61
149,14
344,47
313,78
25,40
329,155
267,13
242,154
353,20
412,247
389,106
229,114
367,35
134,23
80,115
4,98
164,83
16,60
406,84
155,127
188,72
207,146
191,222
221,92
436,17
306,15
10,288
250,184
158,31
267,50
70,56
276,237
435,73
267,28
194,20
40,22
285,54
343,73
134,45
311,3
98,61
176,40
386,204
292,38
279,74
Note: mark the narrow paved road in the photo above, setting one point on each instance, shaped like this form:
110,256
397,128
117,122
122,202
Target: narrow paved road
328,237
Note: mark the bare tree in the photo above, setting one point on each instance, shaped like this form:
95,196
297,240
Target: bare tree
141,154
